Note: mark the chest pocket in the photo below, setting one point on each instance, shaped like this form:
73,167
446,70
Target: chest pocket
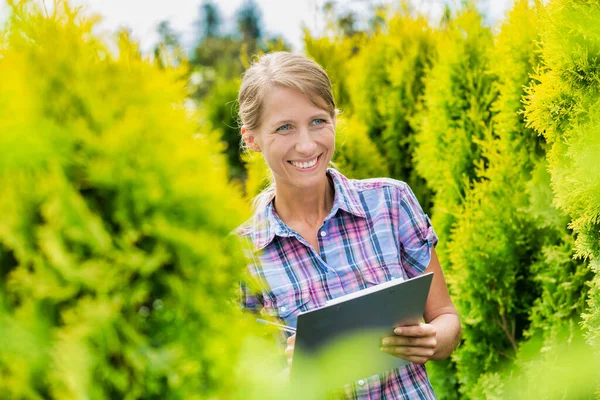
383,260
286,303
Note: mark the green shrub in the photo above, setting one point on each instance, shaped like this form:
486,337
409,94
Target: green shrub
220,109
356,156
493,241
334,54
386,81
116,267
513,275
454,114
564,107
259,174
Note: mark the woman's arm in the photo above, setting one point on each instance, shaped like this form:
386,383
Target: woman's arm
435,339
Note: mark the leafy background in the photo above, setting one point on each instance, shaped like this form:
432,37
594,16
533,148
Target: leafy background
121,178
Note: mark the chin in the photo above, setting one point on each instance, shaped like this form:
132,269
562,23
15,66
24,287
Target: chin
308,182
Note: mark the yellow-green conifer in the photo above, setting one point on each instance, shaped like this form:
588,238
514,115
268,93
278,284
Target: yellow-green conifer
564,107
117,270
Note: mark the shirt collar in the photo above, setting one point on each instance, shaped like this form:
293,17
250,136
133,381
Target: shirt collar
266,223
346,195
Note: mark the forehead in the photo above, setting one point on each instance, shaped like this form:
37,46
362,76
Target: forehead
287,103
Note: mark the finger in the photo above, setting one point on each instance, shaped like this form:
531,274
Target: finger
409,351
291,340
289,351
416,330
416,341
412,358
418,360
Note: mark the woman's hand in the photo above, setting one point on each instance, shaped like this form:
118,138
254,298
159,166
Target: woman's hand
415,343
289,350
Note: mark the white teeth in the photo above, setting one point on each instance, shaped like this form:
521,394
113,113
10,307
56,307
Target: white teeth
305,164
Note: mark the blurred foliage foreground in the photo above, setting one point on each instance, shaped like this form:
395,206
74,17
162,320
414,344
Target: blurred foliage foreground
117,271
117,268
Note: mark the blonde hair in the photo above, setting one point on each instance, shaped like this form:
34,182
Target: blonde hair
287,70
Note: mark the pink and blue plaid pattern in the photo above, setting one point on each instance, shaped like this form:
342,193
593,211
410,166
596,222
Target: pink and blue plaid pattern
376,231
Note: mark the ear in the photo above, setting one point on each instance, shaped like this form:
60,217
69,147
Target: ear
248,137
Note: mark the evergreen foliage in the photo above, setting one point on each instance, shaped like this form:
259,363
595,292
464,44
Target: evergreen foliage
493,241
505,247
333,55
116,265
356,155
221,112
454,115
259,174
564,106
386,81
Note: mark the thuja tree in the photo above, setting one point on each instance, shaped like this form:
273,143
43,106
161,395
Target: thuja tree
385,83
454,115
219,110
333,54
502,255
564,106
561,278
493,241
356,156
116,265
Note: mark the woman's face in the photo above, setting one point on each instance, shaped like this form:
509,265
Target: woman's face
296,137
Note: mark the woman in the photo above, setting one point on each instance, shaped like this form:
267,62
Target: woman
317,235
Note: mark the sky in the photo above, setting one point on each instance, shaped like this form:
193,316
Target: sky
279,17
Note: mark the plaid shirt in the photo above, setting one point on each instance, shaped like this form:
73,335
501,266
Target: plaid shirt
376,231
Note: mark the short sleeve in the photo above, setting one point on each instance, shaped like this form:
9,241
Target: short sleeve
416,234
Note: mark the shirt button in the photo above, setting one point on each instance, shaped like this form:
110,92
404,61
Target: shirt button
323,233
283,308
361,382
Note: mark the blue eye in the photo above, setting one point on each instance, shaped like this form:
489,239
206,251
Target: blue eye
285,127
318,121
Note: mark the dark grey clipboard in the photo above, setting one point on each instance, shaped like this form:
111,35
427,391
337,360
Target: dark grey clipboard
372,316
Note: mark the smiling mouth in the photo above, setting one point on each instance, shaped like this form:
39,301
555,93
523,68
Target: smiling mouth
307,164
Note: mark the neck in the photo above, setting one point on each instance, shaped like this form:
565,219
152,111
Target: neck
304,206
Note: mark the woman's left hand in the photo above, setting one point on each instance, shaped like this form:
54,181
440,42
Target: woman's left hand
415,343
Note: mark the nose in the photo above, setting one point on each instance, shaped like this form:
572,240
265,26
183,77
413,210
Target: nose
306,144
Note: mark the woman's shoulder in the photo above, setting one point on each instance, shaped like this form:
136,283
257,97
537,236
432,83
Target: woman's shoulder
367,184
373,193
382,182
380,185
244,229
254,230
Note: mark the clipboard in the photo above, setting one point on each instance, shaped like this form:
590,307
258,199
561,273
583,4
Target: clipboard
339,343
